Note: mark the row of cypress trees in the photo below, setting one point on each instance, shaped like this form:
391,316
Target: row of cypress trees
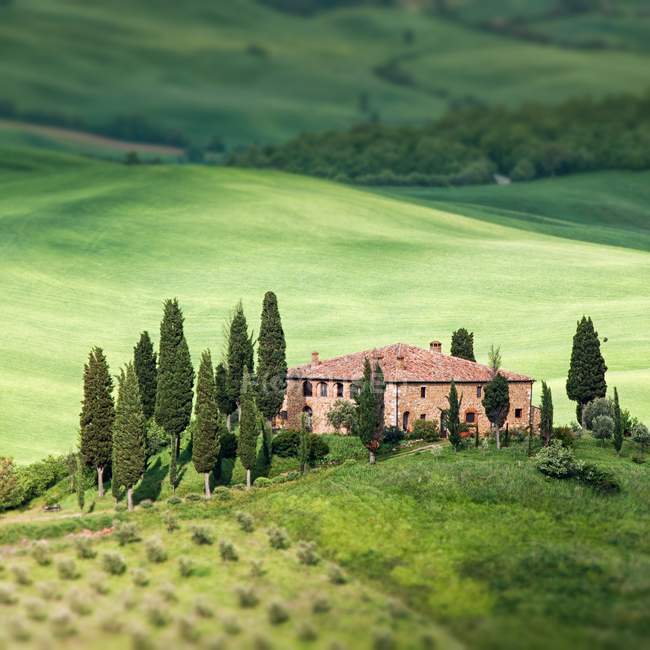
161,387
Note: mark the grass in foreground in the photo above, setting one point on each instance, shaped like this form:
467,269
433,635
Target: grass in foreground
90,250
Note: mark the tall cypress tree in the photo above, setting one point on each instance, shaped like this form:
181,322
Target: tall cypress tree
239,355
546,414
175,376
205,443
225,404
367,421
271,359
618,423
586,379
97,416
379,385
248,428
462,344
129,434
144,362
496,402
453,417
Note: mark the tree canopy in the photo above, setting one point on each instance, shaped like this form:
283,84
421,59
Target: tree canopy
144,361
462,344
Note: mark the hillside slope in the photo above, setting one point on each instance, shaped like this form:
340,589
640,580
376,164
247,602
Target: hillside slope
89,250
246,73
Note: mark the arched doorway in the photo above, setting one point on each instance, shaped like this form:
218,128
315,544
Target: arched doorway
308,417
406,416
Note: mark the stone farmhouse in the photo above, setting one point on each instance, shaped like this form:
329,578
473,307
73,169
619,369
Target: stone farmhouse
417,385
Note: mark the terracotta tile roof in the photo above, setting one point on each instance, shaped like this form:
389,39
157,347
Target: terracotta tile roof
401,362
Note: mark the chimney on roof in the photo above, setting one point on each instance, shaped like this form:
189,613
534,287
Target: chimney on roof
315,359
435,346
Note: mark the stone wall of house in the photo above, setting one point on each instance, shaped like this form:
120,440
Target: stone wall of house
407,398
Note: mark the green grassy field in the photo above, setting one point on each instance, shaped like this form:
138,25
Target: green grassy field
246,73
472,549
90,250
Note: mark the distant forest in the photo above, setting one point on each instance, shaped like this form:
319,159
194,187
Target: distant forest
471,145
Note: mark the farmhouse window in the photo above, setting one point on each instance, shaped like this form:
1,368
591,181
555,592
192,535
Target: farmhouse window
478,391
284,415
517,413
423,391
322,389
339,389
470,417
423,416
306,389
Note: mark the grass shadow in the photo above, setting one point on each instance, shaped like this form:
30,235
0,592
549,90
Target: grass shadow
151,484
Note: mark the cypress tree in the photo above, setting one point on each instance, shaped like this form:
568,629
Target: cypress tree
248,428
379,385
225,404
144,362
97,416
546,415
303,448
367,422
129,434
239,354
496,402
618,423
462,344
453,417
175,377
205,443
271,359
586,379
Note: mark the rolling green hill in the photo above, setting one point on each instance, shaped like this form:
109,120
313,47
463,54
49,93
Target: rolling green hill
244,72
89,250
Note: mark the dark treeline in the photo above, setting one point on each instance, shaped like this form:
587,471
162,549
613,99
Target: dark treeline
470,145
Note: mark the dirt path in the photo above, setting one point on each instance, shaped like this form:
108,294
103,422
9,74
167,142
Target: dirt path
84,138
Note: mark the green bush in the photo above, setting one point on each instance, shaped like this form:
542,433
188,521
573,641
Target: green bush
565,435
113,563
318,449
7,594
393,436
126,533
155,550
221,493
194,496
36,609
278,538
147,504
140,577
157,438
156,613
602,427
203,609
247,597
641,436
202,536
79,602
556,461
228,551
278,613
49,590
426,430
307,632
596,408
41,554
62,623
245,521
174,500
336,575
307,553
601,480
228,448
11,492
321,605
68,569
171,523
84,547
262,482
286,443
186,567
21,575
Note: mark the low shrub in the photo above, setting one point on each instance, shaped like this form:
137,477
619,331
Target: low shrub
286,443
247,597
307,633
140,577
203,609
7,594
556,461
49,591
262,482
147,504
426,430
171,523
641,436
112,622
318,449
278,613
393,435
68,569
155,550
221,493
202,536
85,548
168,593
186,567
227,551
257,569
194,496
307,553
126,533
384,640
231,625
602,427
601,480
245,521
36,609
187,629
41,554
156,613
174,500
21,575
596,408
63,623
278,538
99,585
79,602
120,507
336,575
113,563
19,629
141,638
565,435
321,606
